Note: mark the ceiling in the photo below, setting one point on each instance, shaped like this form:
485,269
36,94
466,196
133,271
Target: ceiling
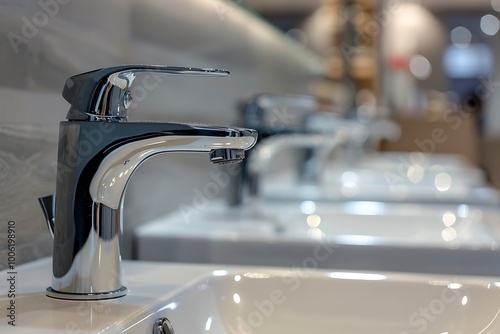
284,6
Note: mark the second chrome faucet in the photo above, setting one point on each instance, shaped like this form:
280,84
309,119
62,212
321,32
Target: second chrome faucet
98,152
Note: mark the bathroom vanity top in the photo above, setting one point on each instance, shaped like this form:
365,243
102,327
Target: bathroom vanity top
215,299
148,285
362,235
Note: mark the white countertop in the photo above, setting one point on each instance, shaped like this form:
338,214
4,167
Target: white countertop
40,314
215,299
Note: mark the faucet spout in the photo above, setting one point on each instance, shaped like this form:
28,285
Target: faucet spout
224,156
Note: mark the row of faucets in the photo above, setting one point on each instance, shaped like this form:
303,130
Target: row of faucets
292,122
99,150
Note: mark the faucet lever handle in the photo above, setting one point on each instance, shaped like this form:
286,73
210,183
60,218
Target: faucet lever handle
104,94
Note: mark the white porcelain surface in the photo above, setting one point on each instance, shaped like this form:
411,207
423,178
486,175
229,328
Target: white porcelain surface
37,313
211,299
395,160
438,177
370,185
361,235
278,302
389,177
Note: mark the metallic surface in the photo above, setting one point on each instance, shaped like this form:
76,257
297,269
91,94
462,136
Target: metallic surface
108,89
95,162
271,114
163,326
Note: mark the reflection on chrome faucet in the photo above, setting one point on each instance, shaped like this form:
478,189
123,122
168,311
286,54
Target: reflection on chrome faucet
98,152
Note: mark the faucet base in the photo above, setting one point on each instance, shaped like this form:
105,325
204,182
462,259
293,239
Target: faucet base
86,296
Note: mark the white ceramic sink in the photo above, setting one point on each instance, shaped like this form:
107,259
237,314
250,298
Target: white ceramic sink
437,177
370,185
402,160
278,302
389,177
359,235
244,300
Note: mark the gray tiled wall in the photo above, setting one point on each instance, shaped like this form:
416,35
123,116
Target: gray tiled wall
85,35
25,175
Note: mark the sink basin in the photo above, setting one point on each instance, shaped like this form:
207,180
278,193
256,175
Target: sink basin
236,300
437,177
402,160
273,302
359,235
369,185
389,177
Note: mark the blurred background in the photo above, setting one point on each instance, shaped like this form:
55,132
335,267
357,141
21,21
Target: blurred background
427,66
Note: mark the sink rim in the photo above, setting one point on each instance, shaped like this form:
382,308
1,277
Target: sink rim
239,224
140,307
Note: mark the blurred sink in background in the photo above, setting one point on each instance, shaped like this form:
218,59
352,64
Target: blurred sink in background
389,177
459,239
355,186
404,160
395,169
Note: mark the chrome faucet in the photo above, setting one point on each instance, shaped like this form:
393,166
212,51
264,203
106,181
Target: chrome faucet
270,115
98,153
321,144
364,136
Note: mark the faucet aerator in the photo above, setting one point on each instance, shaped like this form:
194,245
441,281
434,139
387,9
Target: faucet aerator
227,156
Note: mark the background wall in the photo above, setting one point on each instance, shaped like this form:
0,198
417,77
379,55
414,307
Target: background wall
45,42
